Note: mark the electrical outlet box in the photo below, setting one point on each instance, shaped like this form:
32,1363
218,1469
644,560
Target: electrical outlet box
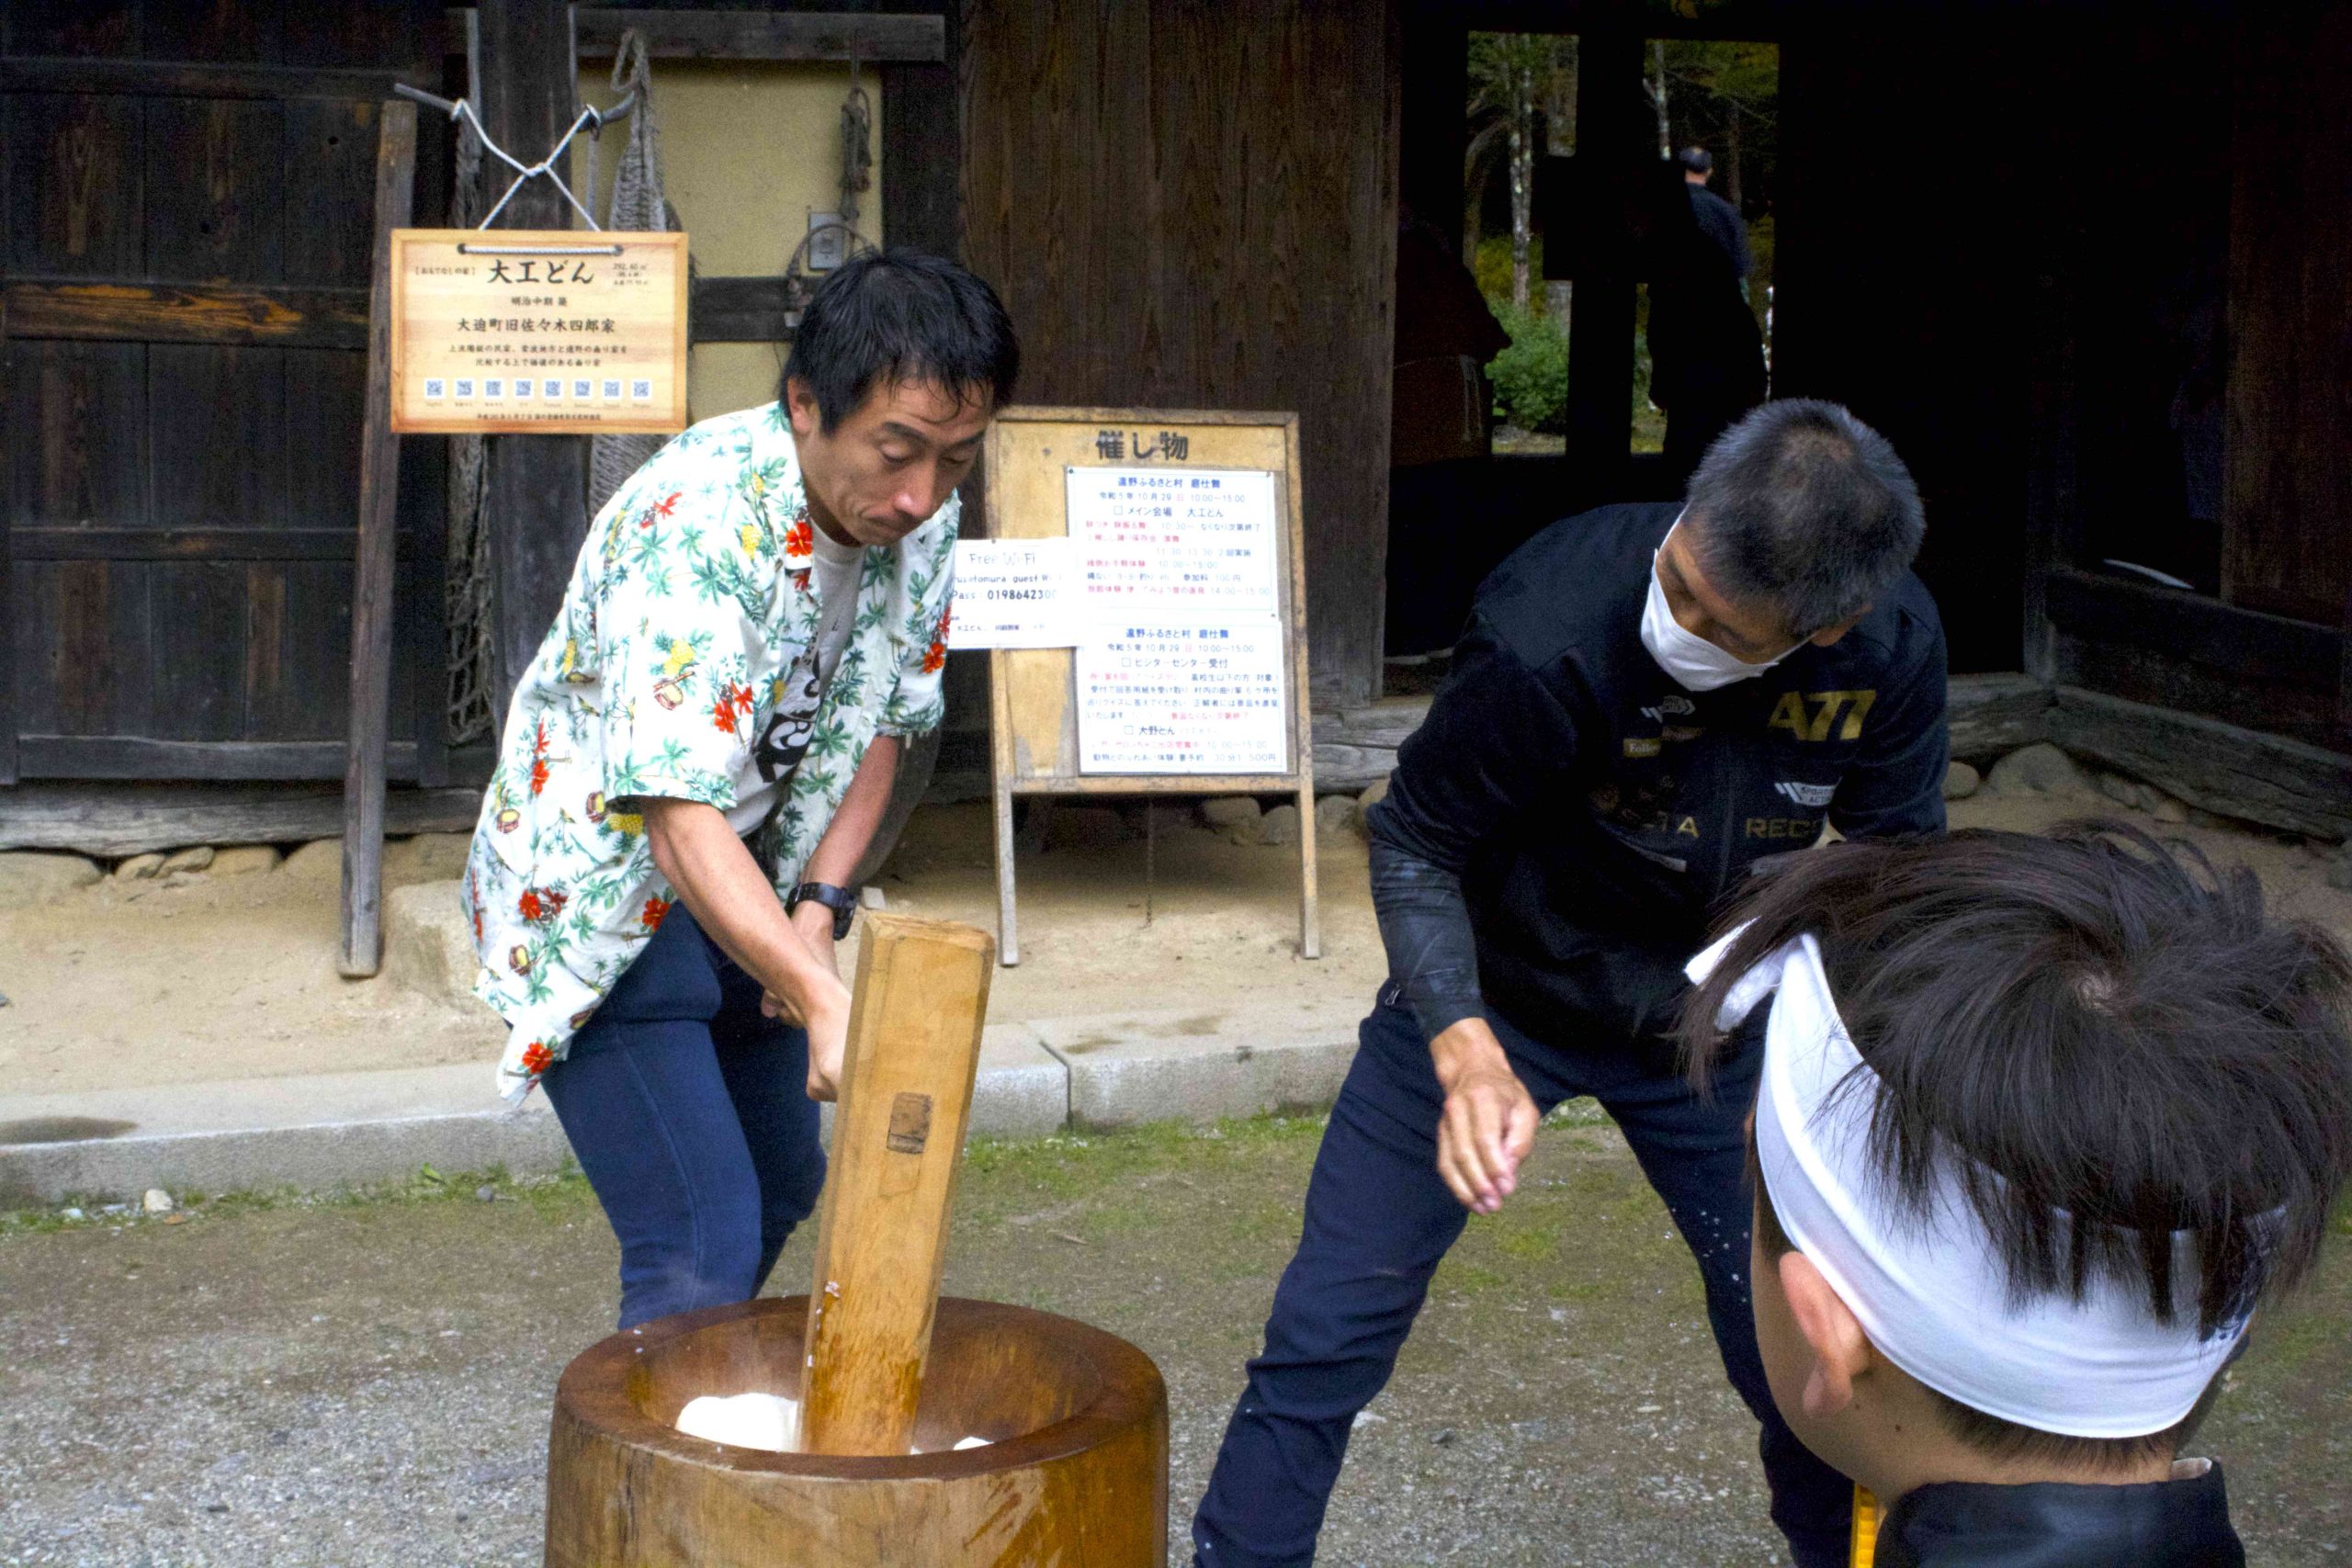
828,241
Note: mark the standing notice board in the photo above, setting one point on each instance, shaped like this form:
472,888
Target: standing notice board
1143,591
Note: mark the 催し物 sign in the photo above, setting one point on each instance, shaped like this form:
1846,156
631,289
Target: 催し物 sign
547,331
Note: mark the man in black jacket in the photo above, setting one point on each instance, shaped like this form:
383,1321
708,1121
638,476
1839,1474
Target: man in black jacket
1648,702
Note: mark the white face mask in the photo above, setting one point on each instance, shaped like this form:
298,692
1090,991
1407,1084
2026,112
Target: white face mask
1696,664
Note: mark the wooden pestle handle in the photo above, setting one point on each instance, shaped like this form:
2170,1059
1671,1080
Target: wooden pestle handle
920,1002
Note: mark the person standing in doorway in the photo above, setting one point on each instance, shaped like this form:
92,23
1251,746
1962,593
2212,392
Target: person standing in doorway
1648,702
696,763
1706,351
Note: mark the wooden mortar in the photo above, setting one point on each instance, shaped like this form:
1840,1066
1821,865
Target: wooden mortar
1075,1474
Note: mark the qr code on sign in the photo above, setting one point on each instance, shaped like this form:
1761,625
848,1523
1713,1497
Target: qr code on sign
437,387
640,390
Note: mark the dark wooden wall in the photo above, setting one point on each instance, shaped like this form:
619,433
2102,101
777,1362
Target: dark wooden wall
181,467
2288,541
1192,205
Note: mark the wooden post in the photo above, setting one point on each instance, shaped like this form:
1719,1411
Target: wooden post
906,1095
1613,142
8,676
537,501
371,595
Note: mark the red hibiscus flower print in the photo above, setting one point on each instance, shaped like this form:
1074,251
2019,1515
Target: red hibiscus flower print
539,774
661,508
937,654
731,701
800,540
656,910
537,1057
539,904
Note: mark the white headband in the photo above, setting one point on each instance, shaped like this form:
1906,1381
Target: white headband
1928,1287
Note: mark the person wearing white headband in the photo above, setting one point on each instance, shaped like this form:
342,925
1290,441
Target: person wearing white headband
2041,1121
1649,701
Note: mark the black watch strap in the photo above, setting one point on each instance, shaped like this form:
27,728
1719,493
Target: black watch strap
840,900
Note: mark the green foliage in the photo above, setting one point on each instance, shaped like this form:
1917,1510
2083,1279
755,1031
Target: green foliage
1491,267
1530,377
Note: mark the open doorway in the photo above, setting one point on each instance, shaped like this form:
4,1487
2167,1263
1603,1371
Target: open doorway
1535,166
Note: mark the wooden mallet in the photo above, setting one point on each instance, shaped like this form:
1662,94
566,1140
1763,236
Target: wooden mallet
920,999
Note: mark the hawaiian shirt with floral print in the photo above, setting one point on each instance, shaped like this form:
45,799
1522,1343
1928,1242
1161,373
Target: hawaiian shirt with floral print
694,596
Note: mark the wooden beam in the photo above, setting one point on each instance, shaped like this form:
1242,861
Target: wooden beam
191,544
112,820
7,601
186,79
536,507
188,312
2226,769
750,35
2190,626
922,148
1990,715
371,600
741,309
136,757
906,1095
1356,748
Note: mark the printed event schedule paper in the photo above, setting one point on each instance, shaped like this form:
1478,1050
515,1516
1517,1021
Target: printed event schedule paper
1184,672
1184,696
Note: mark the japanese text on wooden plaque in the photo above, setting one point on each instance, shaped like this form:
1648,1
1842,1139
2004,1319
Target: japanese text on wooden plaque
544,332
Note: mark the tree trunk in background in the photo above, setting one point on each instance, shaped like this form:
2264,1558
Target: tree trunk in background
1731,157
1560,142
1522,177
1658,97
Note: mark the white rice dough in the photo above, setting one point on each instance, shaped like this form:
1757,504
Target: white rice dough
769,1422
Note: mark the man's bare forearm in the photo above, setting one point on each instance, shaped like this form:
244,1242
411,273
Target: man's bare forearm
731,899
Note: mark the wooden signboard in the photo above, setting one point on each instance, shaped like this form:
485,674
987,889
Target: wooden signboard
538,331
1184,672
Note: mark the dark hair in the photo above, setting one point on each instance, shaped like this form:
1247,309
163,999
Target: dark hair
887,317
2104,1027
1803,507
1698,160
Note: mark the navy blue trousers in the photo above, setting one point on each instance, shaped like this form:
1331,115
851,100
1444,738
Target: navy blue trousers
690,1113
1378,1220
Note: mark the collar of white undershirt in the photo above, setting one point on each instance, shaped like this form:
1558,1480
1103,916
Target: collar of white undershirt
833,553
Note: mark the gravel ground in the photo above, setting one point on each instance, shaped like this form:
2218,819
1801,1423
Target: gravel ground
368,1382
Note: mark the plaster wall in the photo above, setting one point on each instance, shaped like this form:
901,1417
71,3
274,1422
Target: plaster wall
749,149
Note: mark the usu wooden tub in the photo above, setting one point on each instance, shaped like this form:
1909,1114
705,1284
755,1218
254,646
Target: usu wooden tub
1075,1474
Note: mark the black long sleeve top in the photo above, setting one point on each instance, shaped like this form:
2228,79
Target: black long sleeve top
1559,828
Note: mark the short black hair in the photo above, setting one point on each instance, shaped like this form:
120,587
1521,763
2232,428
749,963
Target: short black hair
2105,1027
896,315
1698,160
1803,507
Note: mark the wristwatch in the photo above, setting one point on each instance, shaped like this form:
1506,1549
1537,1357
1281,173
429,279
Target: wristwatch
840,900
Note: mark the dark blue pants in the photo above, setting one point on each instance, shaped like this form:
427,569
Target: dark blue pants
690,1113
1378,1220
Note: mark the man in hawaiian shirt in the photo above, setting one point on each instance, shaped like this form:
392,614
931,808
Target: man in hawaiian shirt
696,762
